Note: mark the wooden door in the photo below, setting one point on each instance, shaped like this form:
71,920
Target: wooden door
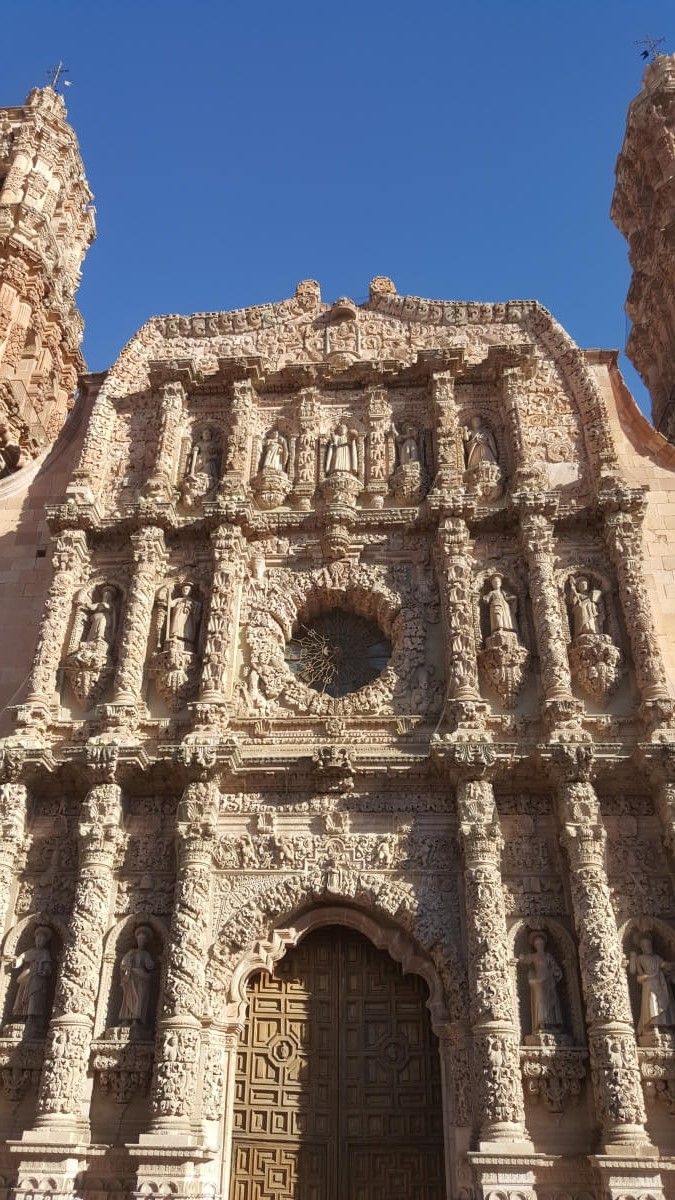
337,1093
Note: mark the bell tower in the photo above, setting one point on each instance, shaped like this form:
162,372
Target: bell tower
46,227
643,208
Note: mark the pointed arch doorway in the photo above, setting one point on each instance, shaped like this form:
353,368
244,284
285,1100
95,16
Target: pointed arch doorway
338,1089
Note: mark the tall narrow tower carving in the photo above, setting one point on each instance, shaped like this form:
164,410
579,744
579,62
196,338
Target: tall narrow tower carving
643,208
46,227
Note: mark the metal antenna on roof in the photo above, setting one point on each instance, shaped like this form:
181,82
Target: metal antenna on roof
54,75
650,47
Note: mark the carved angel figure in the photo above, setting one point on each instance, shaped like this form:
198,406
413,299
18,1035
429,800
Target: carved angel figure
501,607
479,444
35,967
183,619
543,976
275,452
657,1009
136,970
586,607
342,453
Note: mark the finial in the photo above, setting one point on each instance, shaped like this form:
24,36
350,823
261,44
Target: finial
54,76
650,48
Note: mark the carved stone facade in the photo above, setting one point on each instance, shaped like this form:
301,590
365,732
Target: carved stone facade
350,623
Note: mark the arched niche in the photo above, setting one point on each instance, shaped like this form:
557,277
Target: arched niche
18,940
118,941
561,945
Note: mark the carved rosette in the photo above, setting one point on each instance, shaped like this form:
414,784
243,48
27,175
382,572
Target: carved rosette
503,666
149,557
69,559
497,1081
70,1030
613,1052
595,663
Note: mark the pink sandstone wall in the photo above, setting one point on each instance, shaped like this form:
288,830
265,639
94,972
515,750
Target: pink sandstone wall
25,549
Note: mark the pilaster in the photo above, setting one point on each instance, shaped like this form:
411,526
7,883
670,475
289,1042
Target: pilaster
70,556
537,537
454,570
160,484
228,548
149,556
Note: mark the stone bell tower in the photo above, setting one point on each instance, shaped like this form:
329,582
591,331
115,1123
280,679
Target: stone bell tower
46,227
643,208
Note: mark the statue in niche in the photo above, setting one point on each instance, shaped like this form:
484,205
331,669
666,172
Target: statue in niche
586,607
657,1009
101,625
479,445
183,619
342,452
137,969
35,967
407,448
202,474
543,976
275,452
501,607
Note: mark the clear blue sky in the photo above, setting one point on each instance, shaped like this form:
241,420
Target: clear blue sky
466,150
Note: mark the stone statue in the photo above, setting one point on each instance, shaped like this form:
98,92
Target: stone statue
275,452
586,607
342,453
479,444
184,618
657,1009
543,976
501,607
102,624
203,466
35,967
136,970
406,445
12,457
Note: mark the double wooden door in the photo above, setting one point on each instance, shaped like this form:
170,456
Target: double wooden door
337,1093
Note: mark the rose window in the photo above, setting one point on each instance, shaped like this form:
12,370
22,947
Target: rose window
338,652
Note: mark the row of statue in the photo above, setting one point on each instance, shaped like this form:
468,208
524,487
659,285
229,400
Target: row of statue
585,603
342,451
35,969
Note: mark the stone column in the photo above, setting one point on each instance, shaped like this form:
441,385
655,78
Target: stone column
623,533
62,1096
149,554
615,1071
453,559
237,446
527,474
13,806
552,634
498,1090
379,423
178,1043
171,404
221,626
448,469
70,556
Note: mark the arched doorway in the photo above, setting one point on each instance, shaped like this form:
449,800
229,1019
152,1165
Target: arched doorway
338,1091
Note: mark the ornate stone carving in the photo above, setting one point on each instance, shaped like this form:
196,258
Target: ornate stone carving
202,468
32,999
553,1075
272,484
137,969
482,473
89,663
503,659
175,663
594,658
657,1004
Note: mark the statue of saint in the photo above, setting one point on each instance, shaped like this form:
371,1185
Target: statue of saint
342,453
136,970
183,619
103,620
501,607
586,606
204,461
275,452
657,1010
479,444
406,445
35,967
543,976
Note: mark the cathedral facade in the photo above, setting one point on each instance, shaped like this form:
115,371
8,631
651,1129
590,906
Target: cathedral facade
337,812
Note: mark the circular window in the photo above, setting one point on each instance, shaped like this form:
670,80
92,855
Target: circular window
338,652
